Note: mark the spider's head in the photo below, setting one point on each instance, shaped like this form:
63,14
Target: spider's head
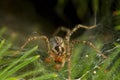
58,45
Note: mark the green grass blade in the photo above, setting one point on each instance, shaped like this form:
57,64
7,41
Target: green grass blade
19,66
4,48
1,44
39,68
46,76
20,59
28,73
12,78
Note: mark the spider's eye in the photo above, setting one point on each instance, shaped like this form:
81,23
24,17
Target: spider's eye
60,50
57,48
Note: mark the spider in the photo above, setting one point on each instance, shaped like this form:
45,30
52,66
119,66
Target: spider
59,49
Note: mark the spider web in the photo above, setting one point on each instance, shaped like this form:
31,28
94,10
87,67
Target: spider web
107,40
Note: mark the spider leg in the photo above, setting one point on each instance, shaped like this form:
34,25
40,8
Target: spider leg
91,45
35,38
80,26
69,68
61,29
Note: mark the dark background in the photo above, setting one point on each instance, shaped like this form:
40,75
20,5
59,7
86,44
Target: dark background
44,16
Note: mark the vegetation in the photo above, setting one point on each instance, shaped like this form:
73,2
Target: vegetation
86,63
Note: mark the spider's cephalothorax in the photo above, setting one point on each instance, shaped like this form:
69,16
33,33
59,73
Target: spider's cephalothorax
58,45
58,52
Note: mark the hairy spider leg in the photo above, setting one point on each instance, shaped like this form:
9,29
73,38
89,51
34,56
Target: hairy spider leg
86,42
78,27
35,38
64,29
91,45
